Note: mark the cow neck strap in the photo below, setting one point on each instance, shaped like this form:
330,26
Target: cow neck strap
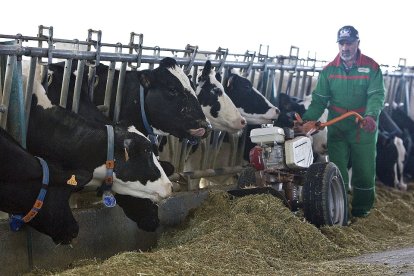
107,196
147,126
17,221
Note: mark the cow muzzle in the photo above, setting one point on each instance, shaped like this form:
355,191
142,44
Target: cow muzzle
203,131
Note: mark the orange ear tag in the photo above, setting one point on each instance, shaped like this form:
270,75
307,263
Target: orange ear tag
72,181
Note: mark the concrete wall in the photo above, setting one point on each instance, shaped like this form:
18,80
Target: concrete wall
103,232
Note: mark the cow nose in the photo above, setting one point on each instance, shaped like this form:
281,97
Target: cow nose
277,111
243,121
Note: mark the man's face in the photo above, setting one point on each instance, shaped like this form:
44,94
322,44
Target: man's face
348,50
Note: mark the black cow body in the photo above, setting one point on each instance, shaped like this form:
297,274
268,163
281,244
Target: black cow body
59,134
171,106
20,182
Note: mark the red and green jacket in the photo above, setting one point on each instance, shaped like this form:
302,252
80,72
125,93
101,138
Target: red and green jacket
360,88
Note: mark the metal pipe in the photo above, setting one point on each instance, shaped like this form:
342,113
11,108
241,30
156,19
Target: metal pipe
106,56
65,83
29,88
109,86
78,86
118,99
16,125
11,61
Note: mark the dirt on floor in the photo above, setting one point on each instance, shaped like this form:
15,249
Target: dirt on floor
258,235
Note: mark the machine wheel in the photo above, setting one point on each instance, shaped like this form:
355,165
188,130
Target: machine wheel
247,178
325,201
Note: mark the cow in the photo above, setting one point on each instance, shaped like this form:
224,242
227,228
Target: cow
406,124
21,181
77,143
253,106
169,101
390,160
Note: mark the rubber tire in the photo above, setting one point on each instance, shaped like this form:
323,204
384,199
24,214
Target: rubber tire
325,201
247,178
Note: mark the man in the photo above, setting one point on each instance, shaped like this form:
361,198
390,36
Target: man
352,81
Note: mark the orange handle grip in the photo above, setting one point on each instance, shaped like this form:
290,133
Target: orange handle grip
320,125
358,118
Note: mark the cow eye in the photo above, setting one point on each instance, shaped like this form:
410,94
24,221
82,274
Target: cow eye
172,91
217,91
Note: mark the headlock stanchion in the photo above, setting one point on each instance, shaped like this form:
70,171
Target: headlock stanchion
271,75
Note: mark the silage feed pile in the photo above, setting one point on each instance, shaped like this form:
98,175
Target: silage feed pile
258,235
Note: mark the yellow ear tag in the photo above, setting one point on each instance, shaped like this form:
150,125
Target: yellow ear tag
72,181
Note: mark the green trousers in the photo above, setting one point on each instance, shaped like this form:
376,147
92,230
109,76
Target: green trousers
355,147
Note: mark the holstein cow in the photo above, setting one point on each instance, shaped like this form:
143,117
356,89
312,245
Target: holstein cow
253,106
170,104
58,134
391,152
37,192
162,99
406,124
219,110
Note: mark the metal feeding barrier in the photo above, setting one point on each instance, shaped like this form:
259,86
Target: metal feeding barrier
270,75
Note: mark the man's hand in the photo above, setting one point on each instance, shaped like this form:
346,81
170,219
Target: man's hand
369,124
306,128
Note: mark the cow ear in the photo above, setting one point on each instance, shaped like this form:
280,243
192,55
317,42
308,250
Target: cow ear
145,78
206,70
218,77
127,143
229,82
190,78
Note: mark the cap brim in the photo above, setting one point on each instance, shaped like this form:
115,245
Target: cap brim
348,39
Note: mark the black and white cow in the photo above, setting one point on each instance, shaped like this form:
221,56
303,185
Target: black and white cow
170,103
58,134
389,161
253,106
21,177
406,124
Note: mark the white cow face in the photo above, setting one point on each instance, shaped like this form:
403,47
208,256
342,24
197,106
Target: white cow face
252,104
137,171
216,105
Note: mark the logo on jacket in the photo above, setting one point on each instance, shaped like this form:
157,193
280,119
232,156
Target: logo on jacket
363,70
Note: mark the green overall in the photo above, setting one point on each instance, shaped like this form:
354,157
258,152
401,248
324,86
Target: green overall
359,88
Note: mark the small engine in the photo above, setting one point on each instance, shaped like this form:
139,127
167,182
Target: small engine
278,149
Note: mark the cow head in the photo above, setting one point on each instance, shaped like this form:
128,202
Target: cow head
216,105
252,104
288,106
20,183
171,105
137,172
